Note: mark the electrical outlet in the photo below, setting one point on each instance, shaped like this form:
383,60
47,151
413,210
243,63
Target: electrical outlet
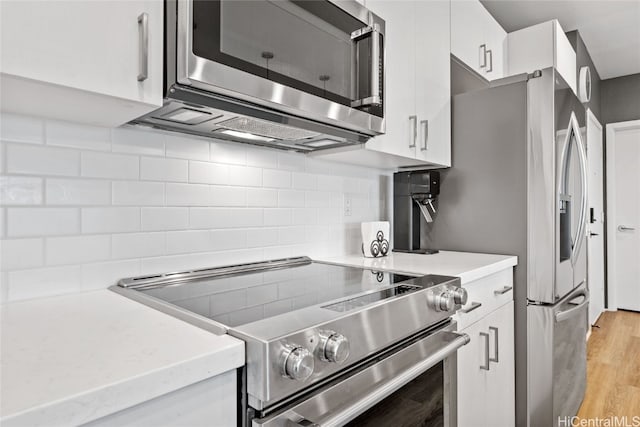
347,205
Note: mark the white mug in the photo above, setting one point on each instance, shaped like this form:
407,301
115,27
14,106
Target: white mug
375,239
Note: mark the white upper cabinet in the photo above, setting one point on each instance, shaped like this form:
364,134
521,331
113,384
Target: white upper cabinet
542,46
97,62
477,39
433,82
417,91
400,79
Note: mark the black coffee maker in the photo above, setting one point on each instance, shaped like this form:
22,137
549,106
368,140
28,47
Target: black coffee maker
413,195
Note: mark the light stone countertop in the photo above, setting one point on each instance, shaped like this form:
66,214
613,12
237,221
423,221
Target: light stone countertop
468,266
71,359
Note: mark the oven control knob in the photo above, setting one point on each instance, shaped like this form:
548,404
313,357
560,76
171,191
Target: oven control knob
444,301
460,296
335,348
298,363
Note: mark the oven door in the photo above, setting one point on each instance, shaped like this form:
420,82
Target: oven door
318,59
414,385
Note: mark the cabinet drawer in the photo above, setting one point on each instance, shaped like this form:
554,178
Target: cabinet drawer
485,295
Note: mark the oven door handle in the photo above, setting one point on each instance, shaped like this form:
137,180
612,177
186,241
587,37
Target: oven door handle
379,392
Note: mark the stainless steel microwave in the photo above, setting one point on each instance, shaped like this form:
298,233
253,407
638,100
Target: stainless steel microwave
300,75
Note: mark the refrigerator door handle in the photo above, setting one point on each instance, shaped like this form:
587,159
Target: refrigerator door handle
583,184
561,316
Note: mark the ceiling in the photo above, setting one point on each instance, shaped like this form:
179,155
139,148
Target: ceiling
610,28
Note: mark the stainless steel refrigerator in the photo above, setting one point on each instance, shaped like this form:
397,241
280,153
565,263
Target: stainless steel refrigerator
518,186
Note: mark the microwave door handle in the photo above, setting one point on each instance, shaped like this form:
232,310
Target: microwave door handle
369,399
375,95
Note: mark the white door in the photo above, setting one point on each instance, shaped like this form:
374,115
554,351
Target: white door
400,98
473,365
433,88
595,242
623,208
501,389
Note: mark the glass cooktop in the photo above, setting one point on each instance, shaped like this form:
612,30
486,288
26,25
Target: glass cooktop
248,297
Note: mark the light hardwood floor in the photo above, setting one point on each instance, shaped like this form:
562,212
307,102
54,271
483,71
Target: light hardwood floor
613,367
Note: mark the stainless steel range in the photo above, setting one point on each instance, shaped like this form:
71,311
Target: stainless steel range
325,344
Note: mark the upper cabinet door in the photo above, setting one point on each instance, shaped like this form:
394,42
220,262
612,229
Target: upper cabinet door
78,49
399,92
477,39
433,88
467,34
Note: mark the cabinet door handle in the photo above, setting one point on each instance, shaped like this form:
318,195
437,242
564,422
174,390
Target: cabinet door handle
425,134
483,56
485,366
143,43
496,347
473,306
503,290
414,127
490,69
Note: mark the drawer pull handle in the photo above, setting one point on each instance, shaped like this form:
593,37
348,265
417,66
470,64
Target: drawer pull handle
503,290
472,307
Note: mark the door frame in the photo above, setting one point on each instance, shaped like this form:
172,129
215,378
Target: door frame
612,129
590,117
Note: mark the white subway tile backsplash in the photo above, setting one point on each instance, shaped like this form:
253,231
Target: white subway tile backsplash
136,245
77,249
228,153
74,135
187,194
246,176
277,216
276,178
304,216
132,193
17,254
16,190
77,192
104,165
262,197
260,237
151,202
110,220
137,141
161,169
291,235
290,198
228,196
104,274
21,129
225,217
291,162
316,199
42,221
41,282
208,173
164,218
40,160
181,242
330,183
305,181
228,239
261,157
184,147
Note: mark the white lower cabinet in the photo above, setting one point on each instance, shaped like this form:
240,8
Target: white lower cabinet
486,381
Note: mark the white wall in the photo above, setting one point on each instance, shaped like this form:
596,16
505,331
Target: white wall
81,207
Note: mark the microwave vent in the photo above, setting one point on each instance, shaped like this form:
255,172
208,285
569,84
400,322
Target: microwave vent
268,129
